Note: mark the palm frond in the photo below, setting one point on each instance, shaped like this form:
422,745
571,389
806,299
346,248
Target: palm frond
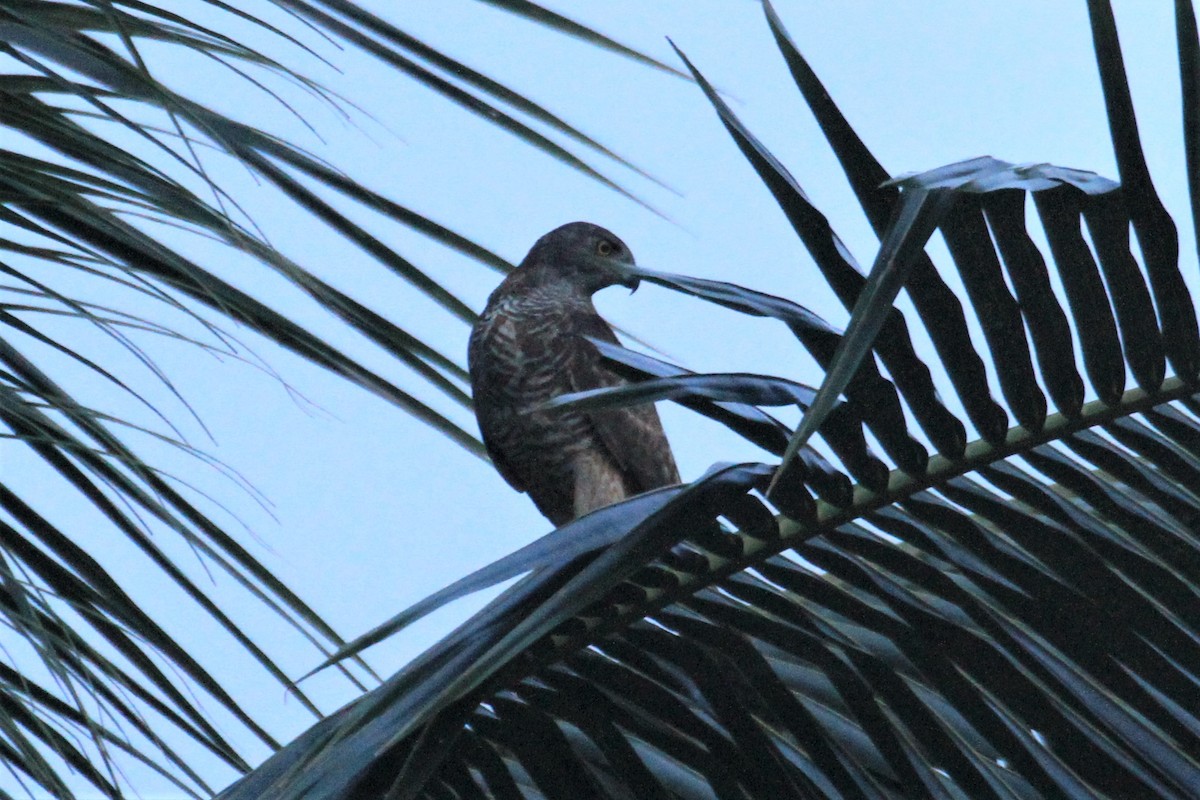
107,178
1013,617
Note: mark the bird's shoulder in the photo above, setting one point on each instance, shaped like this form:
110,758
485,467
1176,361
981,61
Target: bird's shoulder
532,323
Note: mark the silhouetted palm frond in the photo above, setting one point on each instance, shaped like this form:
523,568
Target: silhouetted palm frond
106,183
1011,617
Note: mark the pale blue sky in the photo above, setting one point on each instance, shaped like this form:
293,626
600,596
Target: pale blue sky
374,509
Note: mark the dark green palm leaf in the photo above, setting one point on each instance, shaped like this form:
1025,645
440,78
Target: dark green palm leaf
104,172
1012,618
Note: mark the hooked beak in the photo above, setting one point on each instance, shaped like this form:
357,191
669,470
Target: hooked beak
628,277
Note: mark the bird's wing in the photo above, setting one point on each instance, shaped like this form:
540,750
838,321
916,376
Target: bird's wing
633,436
503,467
482,390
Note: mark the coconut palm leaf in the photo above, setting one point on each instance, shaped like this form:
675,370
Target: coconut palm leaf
1011,618
105,180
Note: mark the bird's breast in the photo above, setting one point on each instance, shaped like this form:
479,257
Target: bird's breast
528,350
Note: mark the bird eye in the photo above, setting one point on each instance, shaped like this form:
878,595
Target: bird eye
604,247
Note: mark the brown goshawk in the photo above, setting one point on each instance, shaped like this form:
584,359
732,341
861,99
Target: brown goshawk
529,347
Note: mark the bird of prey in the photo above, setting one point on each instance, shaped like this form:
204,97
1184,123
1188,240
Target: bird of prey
529,347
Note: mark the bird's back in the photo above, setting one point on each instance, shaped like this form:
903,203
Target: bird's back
526,349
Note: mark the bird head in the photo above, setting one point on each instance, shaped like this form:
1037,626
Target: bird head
584,256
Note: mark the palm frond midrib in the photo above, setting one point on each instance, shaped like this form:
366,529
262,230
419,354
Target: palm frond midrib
722,564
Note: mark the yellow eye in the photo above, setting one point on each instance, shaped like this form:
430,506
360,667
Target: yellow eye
605,247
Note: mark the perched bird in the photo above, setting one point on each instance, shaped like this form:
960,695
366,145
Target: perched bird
528,347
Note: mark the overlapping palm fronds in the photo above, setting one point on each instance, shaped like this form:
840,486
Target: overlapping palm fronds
103,158
1014,617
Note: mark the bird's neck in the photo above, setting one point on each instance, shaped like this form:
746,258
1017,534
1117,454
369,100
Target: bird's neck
537,292
538,305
